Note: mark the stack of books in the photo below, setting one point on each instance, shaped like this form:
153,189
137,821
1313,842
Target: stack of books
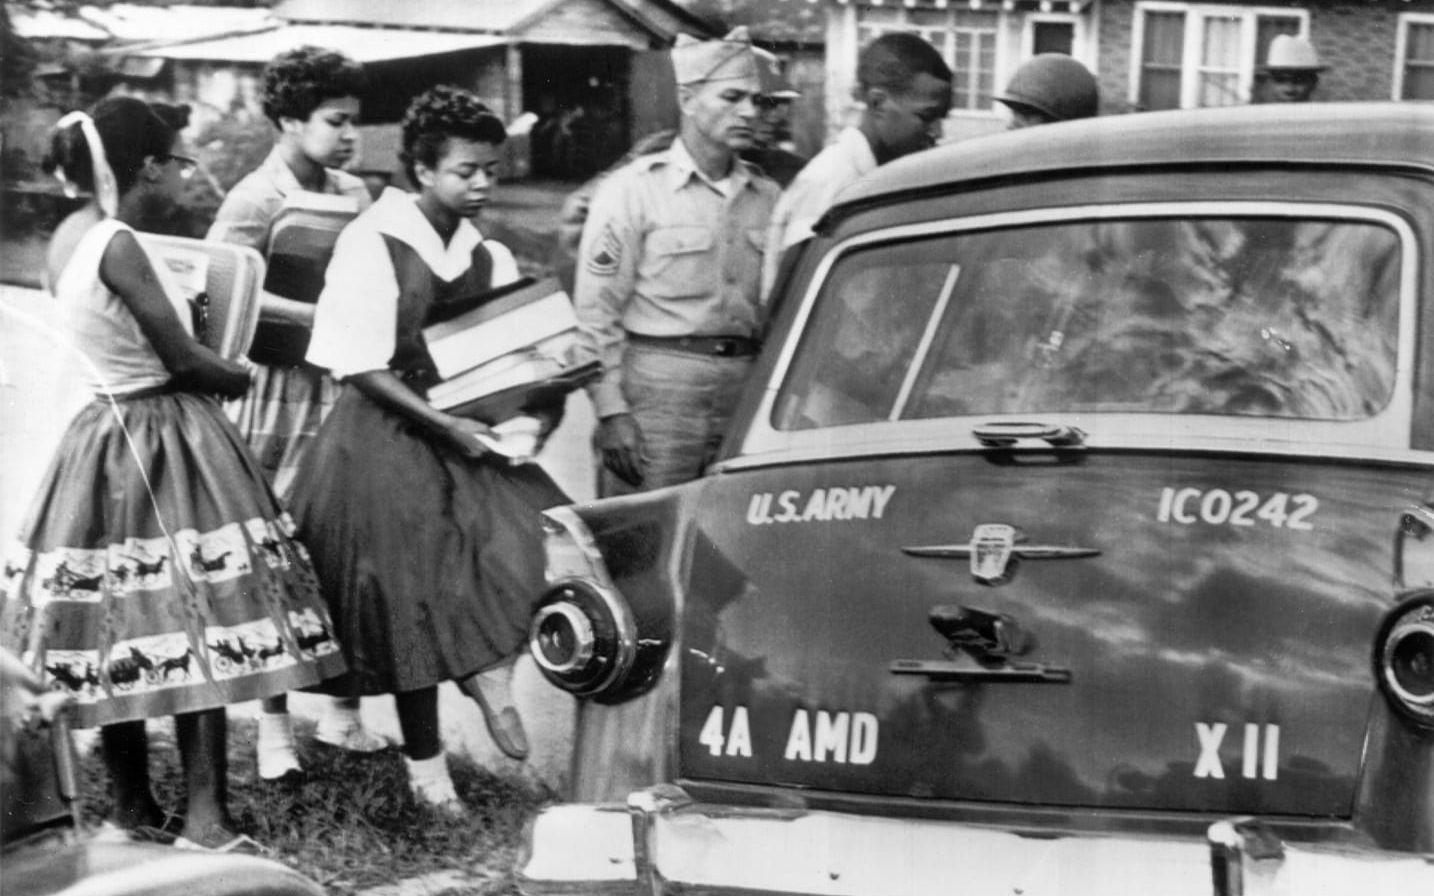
512,349
301,244
218,283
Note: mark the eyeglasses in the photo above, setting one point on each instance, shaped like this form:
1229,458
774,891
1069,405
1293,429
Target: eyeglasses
187,165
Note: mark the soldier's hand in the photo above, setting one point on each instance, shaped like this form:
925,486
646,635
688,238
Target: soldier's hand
620,440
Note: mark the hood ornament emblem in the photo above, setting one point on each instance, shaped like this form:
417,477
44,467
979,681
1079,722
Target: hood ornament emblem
994,549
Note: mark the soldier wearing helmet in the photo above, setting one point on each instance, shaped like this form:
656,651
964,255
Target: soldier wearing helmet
1291,70
1050,87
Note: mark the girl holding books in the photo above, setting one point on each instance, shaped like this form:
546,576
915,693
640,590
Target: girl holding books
311,96
428,549
155,573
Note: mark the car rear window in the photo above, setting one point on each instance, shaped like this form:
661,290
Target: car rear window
1250,316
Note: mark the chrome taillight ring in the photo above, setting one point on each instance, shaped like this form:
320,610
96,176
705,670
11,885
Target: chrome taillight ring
583,637
1404,659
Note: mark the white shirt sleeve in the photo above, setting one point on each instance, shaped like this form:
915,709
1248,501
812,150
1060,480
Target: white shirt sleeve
505,266
357,313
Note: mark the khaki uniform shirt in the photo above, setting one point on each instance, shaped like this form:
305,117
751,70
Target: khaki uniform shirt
666,252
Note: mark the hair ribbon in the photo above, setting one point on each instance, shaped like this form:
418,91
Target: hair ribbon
106,187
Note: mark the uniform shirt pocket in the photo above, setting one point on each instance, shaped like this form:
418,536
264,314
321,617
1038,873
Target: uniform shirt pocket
678,262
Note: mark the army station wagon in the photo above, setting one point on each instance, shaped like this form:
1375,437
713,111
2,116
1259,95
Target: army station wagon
1074,537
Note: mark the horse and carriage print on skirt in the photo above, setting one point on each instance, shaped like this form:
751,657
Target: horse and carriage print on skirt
186,648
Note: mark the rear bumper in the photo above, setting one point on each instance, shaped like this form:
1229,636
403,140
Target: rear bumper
662,843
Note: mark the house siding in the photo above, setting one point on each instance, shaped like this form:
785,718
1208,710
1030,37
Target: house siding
590,22
1115,39
1356,40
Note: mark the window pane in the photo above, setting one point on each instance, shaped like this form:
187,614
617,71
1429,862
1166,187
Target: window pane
1419,62
1219,89
1161,56
857,349
1160,90
1221,45
1419,82
961,84
986,75
1264,317
1219,76
1052,37
1420,43
1164,38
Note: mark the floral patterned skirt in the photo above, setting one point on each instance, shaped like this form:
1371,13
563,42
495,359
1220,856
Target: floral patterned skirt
156,573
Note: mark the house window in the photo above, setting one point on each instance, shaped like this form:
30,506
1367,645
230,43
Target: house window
1052,37
1191,55
1414,61
965,38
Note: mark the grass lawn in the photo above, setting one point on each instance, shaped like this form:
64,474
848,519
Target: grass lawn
351,823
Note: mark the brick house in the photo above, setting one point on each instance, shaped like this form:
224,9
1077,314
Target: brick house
1146,54
1158,54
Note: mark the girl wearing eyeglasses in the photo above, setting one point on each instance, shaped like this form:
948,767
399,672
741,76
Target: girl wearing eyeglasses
155,573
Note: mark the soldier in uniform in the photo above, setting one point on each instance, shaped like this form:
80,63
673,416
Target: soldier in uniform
668,276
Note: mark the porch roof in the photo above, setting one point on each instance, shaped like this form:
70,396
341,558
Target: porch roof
361,44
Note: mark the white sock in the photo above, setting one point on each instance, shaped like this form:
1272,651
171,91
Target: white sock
429,778
337,717
275,727
275,747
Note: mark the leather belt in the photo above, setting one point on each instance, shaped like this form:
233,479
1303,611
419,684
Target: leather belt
716,346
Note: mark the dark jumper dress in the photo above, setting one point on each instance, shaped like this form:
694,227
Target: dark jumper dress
430,562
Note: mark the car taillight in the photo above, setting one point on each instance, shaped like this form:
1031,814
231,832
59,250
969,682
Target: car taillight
1404,659
582,638
582,635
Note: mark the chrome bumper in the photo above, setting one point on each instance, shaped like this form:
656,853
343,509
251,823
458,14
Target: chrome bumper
662,842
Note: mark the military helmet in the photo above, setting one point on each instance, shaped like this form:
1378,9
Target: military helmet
1055,85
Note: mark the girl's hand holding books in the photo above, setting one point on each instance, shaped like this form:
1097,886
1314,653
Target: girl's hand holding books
462,434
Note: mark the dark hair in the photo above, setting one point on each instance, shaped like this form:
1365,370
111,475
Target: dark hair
298,80
894,59
440,113
176,116
130,132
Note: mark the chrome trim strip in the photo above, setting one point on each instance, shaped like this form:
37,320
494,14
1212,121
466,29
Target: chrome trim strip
1363,440
1023,552
923,348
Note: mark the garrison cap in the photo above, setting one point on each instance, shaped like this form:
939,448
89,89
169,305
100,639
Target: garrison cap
773,80
732,57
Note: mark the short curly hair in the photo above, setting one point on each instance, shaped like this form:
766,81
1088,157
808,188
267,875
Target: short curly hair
298,80
438,114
